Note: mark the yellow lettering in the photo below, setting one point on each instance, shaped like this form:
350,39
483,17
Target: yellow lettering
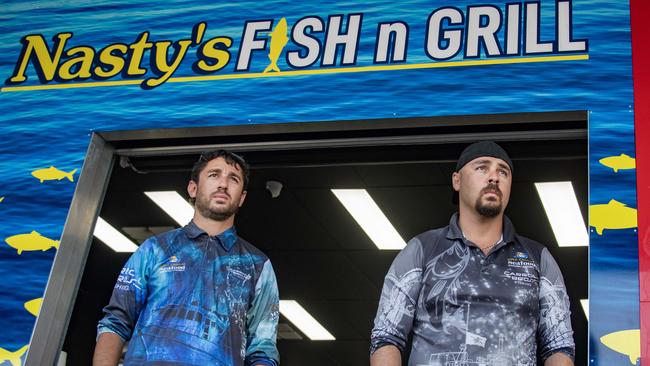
77,67
135,58
35,49
161,67
213,55
110,63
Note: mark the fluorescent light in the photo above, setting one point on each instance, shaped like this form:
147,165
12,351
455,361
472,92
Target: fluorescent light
304,321
563,212
174,204
369,216
585,307
113,238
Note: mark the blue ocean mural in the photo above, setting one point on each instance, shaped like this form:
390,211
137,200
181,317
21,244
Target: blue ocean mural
140,65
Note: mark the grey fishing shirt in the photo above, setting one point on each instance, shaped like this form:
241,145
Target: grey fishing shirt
464,307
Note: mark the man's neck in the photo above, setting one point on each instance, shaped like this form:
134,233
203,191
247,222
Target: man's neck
213,227
480,230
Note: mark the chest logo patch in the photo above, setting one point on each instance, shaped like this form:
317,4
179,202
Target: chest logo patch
521,260
520,255
173,264
521,278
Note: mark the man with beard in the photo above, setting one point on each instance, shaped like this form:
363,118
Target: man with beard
198,295
475,292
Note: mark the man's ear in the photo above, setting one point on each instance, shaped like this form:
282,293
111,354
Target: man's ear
455,181
242,198
192,187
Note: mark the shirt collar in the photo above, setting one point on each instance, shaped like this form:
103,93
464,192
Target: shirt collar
227,239
454,231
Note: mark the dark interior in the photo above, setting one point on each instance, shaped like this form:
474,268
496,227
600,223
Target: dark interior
322,258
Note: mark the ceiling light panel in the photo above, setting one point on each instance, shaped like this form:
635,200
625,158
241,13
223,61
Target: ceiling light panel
307,324
585,307
174,205
370,217
563,213
113,238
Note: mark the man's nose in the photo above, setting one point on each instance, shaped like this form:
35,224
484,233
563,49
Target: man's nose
493,177
222,182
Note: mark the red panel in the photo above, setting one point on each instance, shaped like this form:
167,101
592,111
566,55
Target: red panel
640,11
645,325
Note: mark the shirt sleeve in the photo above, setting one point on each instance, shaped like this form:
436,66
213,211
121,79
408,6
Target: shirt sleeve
129,294
262,321
555,333
399,298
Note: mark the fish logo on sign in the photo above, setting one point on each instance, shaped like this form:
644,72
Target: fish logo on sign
627,342
619,162
30,242
613,215
53,173
13,357
34,306
279,39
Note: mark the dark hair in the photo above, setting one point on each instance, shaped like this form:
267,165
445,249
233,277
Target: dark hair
230,158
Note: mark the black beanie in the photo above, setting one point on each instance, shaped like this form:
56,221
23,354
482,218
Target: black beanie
482,148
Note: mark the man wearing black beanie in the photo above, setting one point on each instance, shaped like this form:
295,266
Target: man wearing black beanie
475,292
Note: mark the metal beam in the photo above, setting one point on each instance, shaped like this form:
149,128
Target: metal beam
259,129
70,260
568,134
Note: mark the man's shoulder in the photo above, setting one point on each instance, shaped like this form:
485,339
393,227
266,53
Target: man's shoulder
428,243
249,248
169,235
529,241
164,239
432,236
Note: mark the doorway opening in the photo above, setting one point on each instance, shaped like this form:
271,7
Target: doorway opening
322,257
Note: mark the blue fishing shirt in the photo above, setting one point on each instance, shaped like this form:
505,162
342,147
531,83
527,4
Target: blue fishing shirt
188,298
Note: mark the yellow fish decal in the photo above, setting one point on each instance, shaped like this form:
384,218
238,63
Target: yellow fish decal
53,173
34,306
2,198
613,215
31,241
619,162
13,357
627,342
279,39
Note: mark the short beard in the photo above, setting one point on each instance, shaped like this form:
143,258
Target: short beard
205,211
487,210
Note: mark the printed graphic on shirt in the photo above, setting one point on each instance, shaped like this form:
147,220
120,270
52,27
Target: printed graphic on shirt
521,260
470,309
399,303
173,265
442,299
483,335
522,270
195,302
126,279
